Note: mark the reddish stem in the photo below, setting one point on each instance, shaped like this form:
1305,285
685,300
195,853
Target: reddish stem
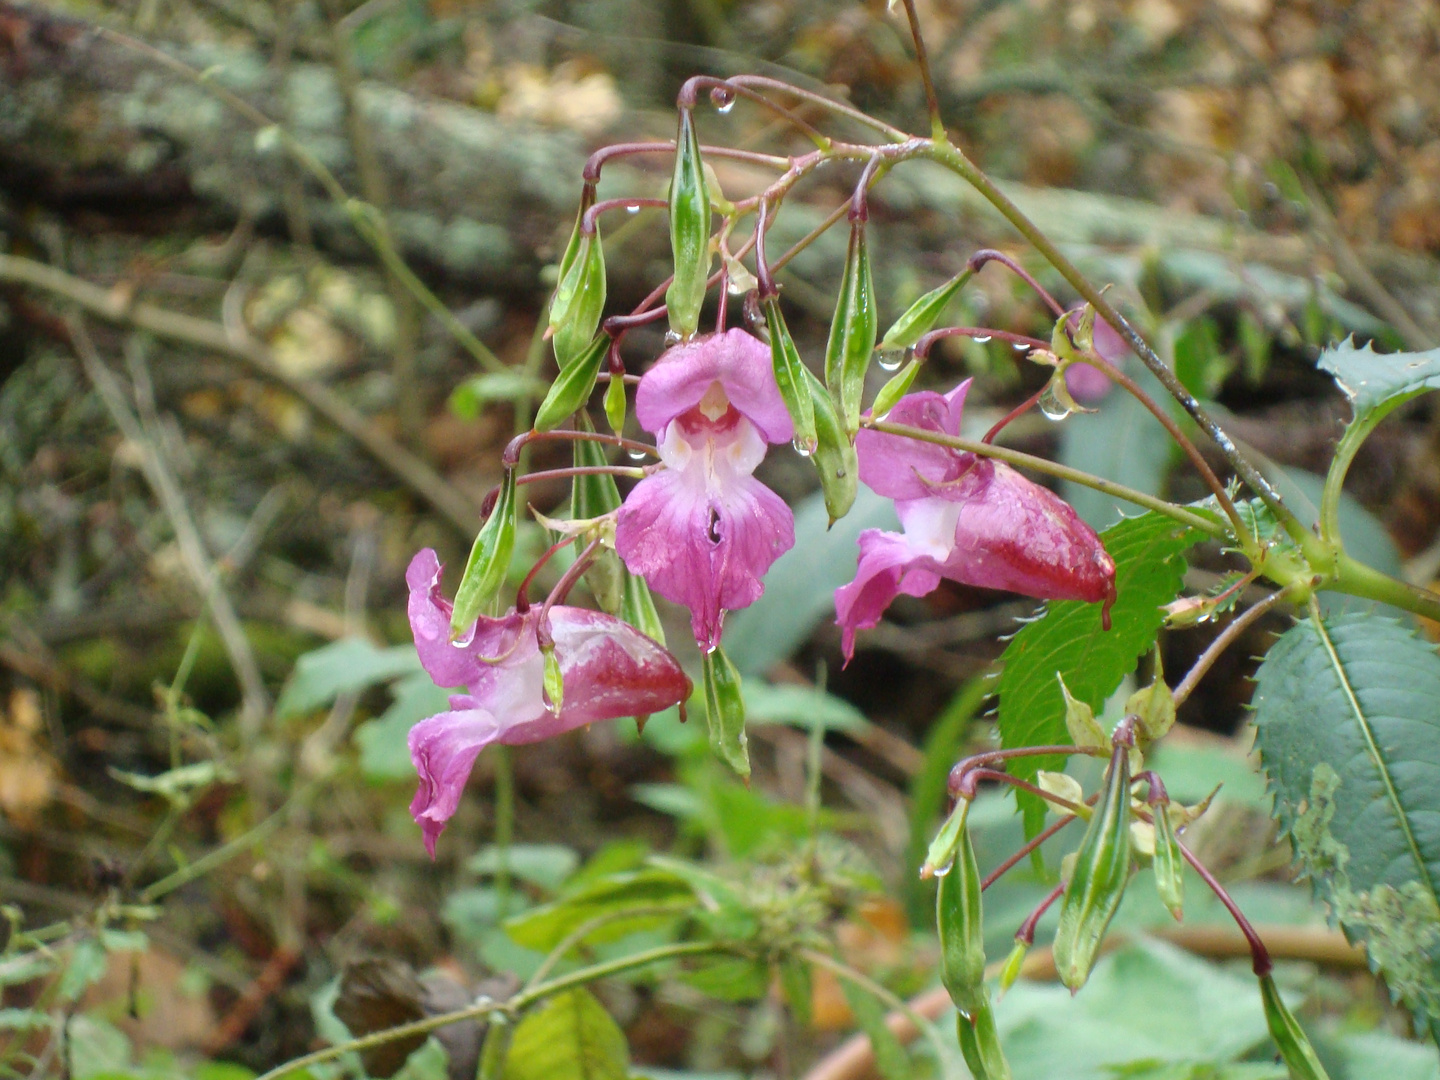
974,776
986,255
983,334
1259,955
577,470
587,219
1015,859
511,457
601,157
1019,410
563,587
1026,934
990,757
686,100
522,594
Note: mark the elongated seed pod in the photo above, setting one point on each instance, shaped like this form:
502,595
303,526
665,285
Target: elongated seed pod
571,388
980,1043
790,377
852,332
921,316
689,231
489,559
725,711
1295,1049
834,459
959,919
579,300
1169,864
1097,882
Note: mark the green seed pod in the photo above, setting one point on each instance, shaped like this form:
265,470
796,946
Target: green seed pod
489,560
564,283
689,231
638,608
898,386
1168,864
852,332
616,404
960,922
921,316
579,300
593,497
1295,1048
572,387
554,680
946,842
790,377
725,711
980,1043
1097,883
834,458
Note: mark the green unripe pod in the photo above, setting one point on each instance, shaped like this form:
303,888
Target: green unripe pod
921,316
1168,864
790,377
572,387
959,919
725,711
852,332
980,1043
689,231
1295,1049
579,297
835,460
489,560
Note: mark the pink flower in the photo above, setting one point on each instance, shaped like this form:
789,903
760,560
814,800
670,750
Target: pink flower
610,670
703,531
970,519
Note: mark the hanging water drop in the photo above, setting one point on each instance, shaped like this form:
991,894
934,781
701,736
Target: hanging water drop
941,871
1020,346
723,98
1051,404
636,454
981,339
891,359
726,106
632,208
802,447
672,338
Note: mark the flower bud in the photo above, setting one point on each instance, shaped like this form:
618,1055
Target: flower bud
1097,882
980,1043
615,403
1295,1049
790,377
489,560
1153,707
689,231
946,842
921,316
571,388
897,387
1010,970
852,332
579,297
959,920
725,711
834,458
1169,864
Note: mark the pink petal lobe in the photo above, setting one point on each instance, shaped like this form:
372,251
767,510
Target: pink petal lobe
444,748
611,669
704,532
739,362
458,663
889,566
902,468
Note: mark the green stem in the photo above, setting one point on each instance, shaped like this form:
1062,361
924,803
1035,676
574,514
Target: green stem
1356,579
1015,457
513,1006
947,155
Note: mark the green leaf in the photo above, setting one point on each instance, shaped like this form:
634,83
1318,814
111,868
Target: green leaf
85,965
1347,714
570,1037
545,926
472,395
730,978
543,865
1379,381
347,666
725,711
801,707
1069,639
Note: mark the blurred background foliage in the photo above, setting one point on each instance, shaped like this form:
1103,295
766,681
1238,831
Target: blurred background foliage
1255,177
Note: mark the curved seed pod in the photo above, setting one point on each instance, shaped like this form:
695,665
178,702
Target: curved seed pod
689,231
725,711
852,332
959,919
564,283
592,497
1169,864
489,560
980,1043
834,458
790,377
1097,883
579,300
896,388
572,387
1295,1048
921,316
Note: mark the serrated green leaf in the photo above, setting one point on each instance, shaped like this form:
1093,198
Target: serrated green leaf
570,1037
1347,714
1375,381
347,666
1069,639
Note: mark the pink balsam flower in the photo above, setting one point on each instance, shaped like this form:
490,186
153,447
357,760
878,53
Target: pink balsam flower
610,670
966,518
703,531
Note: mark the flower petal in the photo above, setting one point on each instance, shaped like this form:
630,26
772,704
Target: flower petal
902,468
444,748
451,663
889,565
1014,534
611,669
703,536
739,362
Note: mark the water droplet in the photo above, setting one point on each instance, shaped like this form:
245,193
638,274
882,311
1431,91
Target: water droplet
1020,346
636,455
726,106
941,871
801,447
839,474
1051,405
891,359
722,98
672,338
981,339
632,208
